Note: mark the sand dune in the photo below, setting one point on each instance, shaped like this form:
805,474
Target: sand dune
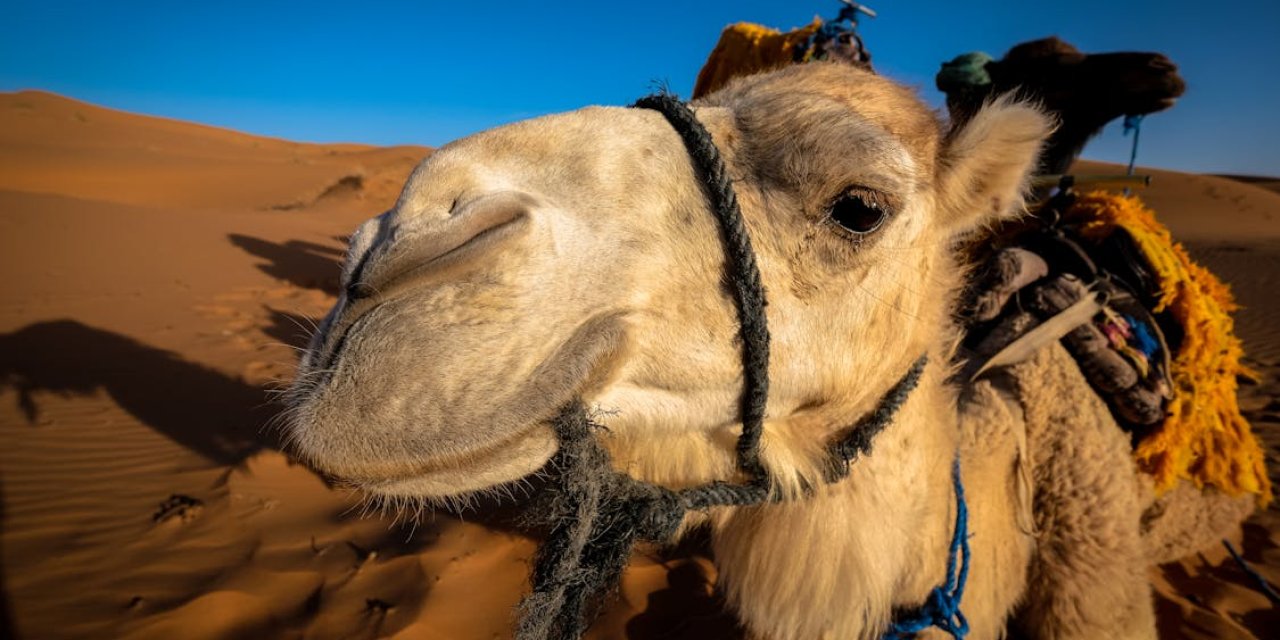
58,146
158,274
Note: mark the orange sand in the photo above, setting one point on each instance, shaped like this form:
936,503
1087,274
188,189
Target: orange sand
156,274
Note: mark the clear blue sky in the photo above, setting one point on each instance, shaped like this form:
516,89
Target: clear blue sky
428,72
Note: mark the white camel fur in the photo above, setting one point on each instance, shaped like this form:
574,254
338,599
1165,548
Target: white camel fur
574,256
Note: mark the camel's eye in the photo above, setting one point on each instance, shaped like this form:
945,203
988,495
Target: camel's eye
859,211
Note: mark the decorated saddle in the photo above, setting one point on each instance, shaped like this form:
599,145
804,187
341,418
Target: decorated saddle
746,48
1150,328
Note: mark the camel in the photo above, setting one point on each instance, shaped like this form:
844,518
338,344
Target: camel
1085,91
574,257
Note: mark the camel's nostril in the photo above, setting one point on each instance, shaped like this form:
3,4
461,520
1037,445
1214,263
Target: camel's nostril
358,290
477,226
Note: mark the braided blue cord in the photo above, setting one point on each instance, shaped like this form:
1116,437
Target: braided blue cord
1132,123
1258,579
942,608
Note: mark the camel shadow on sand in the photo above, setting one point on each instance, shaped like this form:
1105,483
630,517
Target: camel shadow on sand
6,612
219,417
292,329
204,410
687,608
304,264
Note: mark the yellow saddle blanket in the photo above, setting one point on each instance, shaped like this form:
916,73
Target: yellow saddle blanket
1204,438
747,48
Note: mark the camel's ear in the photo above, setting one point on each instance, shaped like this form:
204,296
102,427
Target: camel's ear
987,162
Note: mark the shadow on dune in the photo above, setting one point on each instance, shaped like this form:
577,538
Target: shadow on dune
1208,579
6,614
301,263
214,415
1256,547
687,608
293,329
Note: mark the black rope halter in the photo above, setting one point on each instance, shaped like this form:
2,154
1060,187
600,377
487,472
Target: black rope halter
596,515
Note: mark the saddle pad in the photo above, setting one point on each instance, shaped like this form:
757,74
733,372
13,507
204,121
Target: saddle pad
747,48
1204,438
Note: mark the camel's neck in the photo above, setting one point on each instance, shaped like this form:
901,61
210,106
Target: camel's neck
858,548
835,563
1068,142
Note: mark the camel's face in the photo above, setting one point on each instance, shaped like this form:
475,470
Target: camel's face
575,256
1069,81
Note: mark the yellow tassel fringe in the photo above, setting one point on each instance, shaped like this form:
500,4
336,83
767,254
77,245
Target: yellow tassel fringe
1204,438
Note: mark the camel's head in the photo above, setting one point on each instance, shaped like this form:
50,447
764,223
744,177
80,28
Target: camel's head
575,256
1084,91
1107,85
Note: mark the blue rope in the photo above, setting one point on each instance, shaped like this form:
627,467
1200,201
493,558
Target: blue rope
942,608
1132,123
1253,573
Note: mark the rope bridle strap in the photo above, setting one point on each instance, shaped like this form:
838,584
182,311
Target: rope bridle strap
741,268
595,515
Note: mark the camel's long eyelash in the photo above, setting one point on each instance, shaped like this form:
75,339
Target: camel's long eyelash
859,211
872,197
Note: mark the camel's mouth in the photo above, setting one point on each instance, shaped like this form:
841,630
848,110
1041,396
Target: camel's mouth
460,475
1160,100
394,421
1167,92
1151,104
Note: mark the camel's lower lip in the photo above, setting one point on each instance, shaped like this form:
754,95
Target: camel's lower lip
465,474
